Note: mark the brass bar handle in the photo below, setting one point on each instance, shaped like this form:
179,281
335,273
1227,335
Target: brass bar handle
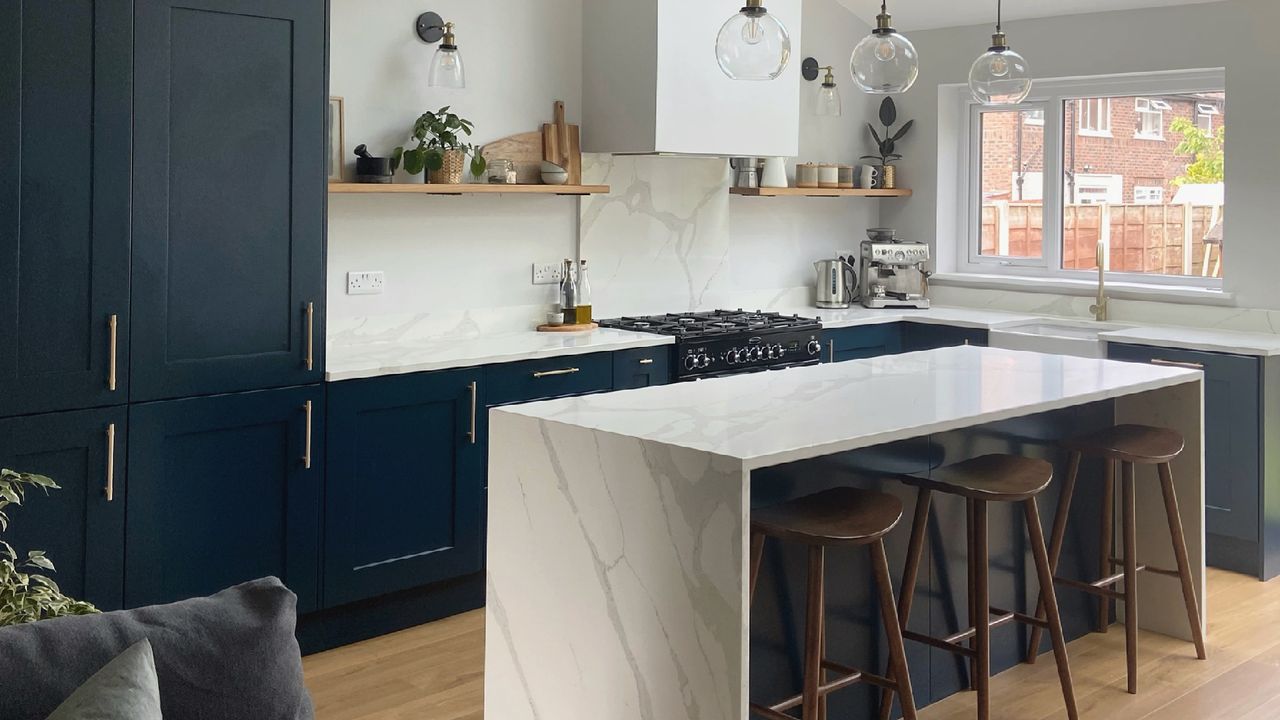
306,442
553,373
311,336
110,489
646,361
471,434
831,349
113,323
1175,363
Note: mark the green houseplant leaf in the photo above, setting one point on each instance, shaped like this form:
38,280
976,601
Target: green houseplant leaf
434,134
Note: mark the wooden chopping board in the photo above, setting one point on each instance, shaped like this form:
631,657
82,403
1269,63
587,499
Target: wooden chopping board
562,144
525,150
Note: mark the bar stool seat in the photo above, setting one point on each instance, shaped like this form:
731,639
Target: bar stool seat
1139,444
836,517
997,478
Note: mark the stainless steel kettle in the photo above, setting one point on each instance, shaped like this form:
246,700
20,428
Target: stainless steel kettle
837,283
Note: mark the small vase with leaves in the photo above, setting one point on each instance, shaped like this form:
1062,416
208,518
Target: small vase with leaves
887,143
26,594
440,149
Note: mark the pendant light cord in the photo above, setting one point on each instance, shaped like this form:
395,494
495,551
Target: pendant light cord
999,13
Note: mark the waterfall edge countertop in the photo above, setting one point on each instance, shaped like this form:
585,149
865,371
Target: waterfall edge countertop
772,418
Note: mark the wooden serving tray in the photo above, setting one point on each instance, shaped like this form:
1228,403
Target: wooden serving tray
568,328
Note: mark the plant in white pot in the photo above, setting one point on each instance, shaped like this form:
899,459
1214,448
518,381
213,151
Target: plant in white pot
26,594
441,148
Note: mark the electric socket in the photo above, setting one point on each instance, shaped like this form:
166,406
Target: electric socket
368,282
548,273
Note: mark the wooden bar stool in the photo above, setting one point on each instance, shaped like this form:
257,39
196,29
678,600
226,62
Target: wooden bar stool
837,517
1129,445
981,480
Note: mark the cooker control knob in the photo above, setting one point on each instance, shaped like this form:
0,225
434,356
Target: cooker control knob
814,347
704,361
690,362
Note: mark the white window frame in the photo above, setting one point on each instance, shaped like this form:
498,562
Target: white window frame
1037,121
1150,106
1154,193
1104,130
1206,111
1051,95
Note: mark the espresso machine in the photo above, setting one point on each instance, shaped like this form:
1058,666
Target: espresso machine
892,273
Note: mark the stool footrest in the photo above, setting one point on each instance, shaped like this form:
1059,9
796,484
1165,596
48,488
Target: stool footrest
1098,587
940,643
1150,568
1025,619
848,676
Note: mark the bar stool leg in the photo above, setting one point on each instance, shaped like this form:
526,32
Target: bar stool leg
898,671
1055,547
757,553
1054,619
910,572
1130,575
982,609
814,632
1104,547
971,580
1180,553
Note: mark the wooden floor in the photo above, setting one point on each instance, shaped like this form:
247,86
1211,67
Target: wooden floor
435,672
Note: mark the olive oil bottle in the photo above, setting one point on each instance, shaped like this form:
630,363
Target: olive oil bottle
582,310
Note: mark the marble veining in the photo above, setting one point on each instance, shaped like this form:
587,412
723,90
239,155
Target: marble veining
777,417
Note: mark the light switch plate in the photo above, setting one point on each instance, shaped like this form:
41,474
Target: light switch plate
548,273
368,282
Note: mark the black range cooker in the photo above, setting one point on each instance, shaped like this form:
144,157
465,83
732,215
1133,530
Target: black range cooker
726,342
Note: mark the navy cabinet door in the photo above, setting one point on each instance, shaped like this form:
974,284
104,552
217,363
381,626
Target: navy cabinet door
641,368
919,336
405,483
868,341
65,70
229,196
1232,454
81,526
220,492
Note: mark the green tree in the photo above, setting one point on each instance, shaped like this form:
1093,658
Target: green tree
1206,148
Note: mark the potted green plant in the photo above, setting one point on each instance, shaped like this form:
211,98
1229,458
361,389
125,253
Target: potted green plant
440,148
887,144
27,595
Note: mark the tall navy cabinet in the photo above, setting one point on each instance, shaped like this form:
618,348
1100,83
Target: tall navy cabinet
64,204
229,192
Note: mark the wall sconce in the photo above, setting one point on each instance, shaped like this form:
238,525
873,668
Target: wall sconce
446,66
827,102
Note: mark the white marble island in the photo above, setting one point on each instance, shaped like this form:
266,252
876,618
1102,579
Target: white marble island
618,523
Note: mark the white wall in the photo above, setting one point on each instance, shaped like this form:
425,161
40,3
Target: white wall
1238,35
668,237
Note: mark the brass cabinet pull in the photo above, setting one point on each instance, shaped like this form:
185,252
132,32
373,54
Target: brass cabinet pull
311,336
831,349
471,434
110,490
306,442
553,373
112,323
1175,363
646,361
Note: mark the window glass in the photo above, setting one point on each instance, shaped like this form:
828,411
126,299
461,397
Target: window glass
1094,115
1012,182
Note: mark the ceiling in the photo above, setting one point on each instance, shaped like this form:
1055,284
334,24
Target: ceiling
925,14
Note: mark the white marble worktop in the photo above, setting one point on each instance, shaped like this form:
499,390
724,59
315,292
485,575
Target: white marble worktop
771,418
1206,339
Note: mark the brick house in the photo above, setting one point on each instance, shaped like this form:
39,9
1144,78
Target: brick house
1121,149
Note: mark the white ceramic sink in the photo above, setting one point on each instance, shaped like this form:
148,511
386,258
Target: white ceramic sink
1059,337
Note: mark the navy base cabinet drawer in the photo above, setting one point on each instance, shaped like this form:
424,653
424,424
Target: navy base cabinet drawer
223,490
548,378
867,341
405,483
1232,448
918,336
641,368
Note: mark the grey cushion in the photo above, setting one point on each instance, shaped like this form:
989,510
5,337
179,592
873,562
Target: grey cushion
231,656
126,689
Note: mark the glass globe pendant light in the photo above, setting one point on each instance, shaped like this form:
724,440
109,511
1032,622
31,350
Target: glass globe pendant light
446,65
753,45
828,104
1000,76
885,62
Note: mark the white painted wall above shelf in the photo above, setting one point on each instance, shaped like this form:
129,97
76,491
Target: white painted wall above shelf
820,192
465,189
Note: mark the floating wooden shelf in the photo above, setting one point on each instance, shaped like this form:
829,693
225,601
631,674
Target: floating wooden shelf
472,189
819,192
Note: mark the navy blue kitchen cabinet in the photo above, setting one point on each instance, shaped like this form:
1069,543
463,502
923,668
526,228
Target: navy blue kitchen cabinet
919,336
548,378
81,526
229,196
1233,436
855,343
644,367
405,483
64,204
222,490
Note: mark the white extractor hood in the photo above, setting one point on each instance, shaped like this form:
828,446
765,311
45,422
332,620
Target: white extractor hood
651,83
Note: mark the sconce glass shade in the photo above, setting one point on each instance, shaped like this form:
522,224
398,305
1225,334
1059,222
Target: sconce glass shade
884,62
753,45
446,68
1000,77
828,104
